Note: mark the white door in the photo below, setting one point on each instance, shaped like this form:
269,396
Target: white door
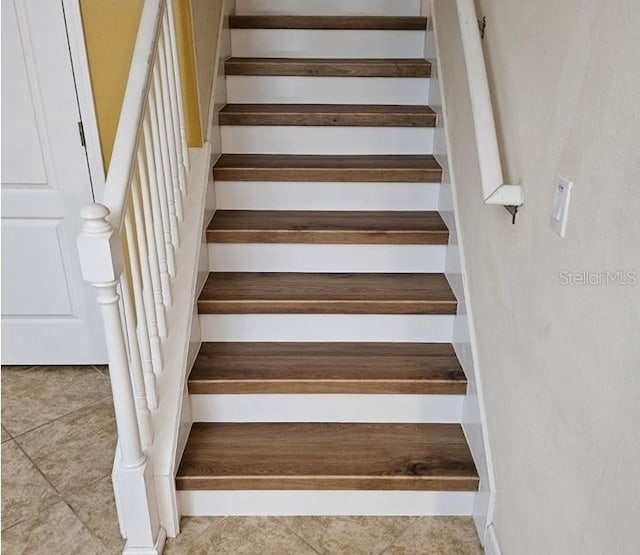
49,314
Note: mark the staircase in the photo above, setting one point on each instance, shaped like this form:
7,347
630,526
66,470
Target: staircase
326,382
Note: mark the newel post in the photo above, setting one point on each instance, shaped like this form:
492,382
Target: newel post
101,260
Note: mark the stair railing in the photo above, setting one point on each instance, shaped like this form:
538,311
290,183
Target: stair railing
128,251
494,188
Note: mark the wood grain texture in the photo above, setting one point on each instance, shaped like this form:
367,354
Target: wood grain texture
286,167
314,293
323,456
349,22
382,368
353,115
337,67
325,227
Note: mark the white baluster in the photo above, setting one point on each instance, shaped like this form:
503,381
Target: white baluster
173,95
135,360
148,287
144,345
157,183
169,130
155,230
174,56
156,101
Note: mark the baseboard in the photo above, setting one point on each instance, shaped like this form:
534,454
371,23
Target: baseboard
464,338
155,550
491,545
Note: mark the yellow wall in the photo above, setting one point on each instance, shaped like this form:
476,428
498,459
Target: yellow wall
110,28
186,54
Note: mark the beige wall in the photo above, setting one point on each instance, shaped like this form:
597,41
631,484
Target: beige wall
560,364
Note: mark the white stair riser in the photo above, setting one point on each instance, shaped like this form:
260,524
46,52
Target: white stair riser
313,43
411,328
329,503
326,140
328,7
292,195
413,409
274,257
250,89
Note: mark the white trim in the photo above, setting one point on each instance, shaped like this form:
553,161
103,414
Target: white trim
316,195
465,338
312,140
414,409
326,43
84,90
330,7
327,327
169,428
155,550
491,545
296,89
329,503
274,257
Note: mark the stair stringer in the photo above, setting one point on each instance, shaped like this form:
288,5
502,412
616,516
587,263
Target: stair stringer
175,423
474,421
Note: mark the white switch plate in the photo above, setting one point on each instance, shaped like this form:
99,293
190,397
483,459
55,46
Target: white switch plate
561,205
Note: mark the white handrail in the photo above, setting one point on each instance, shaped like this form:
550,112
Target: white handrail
128,251
134,103
494,189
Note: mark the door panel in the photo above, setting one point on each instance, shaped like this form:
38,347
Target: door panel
49,314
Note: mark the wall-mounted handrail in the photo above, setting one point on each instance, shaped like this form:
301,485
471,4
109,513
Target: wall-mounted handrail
494,189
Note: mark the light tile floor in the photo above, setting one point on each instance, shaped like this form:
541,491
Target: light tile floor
58,438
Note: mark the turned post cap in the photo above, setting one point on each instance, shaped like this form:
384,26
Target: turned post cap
94,211
95,219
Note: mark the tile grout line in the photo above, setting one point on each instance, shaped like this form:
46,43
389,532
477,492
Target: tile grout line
15,437
8,433
198,536
104,375
86,525
401,535
40,509
25,368
301,538
62,498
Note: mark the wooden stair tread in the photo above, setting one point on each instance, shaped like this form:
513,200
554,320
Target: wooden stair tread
316,293
383,368
329,67
328,115
326,456
287,167
349,22
341,227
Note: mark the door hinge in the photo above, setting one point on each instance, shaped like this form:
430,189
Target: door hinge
81,131
482,25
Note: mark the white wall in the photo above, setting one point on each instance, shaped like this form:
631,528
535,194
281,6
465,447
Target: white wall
560,364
